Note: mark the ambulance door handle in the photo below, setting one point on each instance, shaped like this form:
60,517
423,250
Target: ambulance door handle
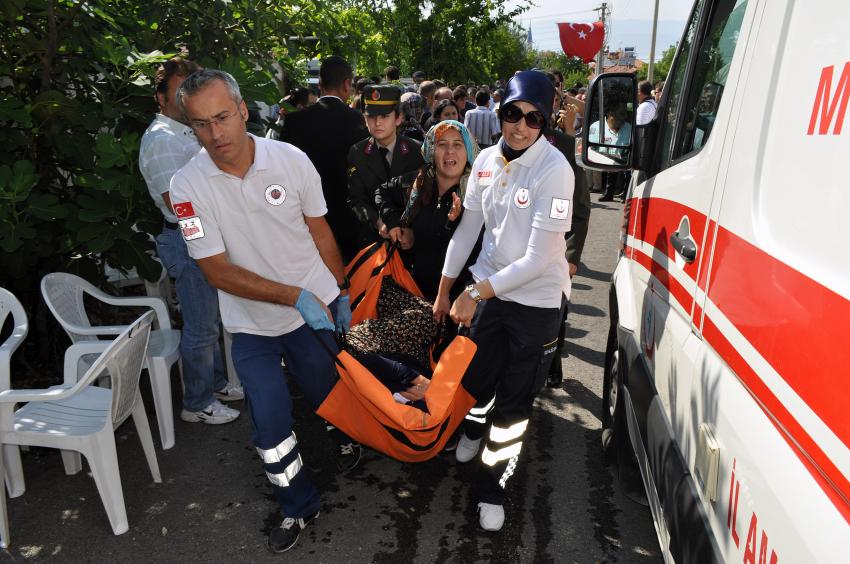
684,246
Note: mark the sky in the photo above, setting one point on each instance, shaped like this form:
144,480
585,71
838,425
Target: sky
631,22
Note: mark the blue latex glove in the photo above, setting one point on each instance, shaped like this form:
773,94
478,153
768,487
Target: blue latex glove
310,308
343,314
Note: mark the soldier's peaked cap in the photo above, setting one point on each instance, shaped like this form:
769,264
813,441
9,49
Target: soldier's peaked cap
381,100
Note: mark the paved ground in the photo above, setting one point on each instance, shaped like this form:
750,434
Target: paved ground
215,505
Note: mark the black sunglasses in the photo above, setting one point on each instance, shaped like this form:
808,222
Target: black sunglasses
533,119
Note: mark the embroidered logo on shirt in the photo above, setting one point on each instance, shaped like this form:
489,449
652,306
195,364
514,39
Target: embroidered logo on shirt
184,209
485,177
275,194
521,199
404,147
560,209
192,228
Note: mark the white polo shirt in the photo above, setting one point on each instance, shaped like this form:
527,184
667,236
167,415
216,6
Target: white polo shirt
533,190
259,222
166,147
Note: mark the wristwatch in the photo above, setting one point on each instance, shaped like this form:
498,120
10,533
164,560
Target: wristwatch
474,294
345,285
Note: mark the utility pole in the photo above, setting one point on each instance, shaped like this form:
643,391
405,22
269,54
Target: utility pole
603,11
649,74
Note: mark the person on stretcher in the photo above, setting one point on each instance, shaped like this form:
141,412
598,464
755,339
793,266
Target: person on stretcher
400,374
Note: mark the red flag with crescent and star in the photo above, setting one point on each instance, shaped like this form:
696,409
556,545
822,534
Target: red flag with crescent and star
582,40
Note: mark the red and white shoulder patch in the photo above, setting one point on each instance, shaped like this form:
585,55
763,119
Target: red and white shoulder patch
184,209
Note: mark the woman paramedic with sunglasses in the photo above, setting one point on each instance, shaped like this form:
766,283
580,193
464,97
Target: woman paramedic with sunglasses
520,191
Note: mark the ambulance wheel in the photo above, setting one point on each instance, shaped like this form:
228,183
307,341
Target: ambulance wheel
613,418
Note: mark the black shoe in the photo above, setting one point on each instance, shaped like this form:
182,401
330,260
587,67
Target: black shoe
555,378
606,198
348,457
284,537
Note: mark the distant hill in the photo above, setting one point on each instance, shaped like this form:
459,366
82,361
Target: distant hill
624,33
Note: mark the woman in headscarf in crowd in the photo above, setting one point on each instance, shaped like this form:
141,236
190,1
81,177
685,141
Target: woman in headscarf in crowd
412,108
422,219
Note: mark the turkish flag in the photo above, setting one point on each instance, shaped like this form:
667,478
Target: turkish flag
184,209
582,40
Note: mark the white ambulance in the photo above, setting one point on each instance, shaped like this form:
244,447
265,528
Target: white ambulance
728,364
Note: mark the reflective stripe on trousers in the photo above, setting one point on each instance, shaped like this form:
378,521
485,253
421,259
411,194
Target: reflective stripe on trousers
479,414
504,443
273,456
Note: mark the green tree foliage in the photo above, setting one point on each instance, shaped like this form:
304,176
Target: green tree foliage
76,95
573,68
455,40
662,66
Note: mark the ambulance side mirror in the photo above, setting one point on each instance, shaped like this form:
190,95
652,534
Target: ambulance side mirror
607,137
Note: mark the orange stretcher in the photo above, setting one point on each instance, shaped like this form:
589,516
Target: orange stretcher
363,408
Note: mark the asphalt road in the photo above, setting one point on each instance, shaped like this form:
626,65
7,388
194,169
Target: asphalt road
215,504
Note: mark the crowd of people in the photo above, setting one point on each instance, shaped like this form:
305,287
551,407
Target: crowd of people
477,189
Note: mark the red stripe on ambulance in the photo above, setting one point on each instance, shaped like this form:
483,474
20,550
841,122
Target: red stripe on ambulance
792,321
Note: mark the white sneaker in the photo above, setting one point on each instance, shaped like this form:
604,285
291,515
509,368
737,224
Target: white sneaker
491,517
467,449
231,392
216,413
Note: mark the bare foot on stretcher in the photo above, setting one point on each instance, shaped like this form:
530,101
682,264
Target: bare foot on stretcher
417,389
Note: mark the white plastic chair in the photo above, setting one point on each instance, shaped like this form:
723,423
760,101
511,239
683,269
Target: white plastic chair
77,416
64,296
9,305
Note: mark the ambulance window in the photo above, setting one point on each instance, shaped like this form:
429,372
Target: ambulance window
674,83
710,73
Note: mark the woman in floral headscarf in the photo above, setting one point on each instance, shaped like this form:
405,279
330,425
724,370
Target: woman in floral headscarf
422,219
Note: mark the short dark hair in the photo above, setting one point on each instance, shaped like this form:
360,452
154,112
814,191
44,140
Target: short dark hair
572,91
334,71
299,96
482,98
392,72
558,75
176,66
361,84
645,88
459,92
438,109
659,86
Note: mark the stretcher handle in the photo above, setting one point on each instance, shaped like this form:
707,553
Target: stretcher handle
340,341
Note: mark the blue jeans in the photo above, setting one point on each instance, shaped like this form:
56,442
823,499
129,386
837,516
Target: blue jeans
203,366
257,360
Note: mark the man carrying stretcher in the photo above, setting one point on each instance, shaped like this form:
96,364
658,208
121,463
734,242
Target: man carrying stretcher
252,213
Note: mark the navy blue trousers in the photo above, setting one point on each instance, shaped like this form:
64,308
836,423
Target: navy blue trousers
257,360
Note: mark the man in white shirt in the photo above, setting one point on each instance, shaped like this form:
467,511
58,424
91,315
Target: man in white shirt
647,106
252,213
167,145
617,134
482,122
